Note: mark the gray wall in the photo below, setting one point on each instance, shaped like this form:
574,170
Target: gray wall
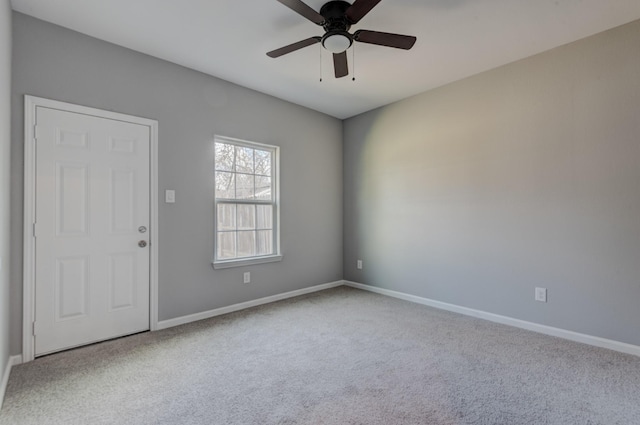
53,62
5,118
527,175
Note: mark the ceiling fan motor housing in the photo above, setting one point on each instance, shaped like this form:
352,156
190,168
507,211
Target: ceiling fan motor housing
336,25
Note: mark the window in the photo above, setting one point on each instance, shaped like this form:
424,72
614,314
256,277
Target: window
246,203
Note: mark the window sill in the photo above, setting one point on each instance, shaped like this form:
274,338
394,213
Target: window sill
246,262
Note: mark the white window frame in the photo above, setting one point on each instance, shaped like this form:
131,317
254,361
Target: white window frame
275,203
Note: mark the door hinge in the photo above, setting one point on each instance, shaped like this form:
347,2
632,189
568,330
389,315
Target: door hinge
35,230
35,132
34,328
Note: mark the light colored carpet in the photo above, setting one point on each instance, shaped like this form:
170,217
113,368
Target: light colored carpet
341,356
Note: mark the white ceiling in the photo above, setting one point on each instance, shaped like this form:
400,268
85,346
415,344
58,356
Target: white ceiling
229,39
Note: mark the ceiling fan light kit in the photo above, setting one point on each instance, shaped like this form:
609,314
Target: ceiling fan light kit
336,17
337,41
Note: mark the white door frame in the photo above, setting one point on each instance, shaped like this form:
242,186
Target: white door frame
28,308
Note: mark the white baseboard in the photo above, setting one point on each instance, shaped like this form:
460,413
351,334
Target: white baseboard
535,327
164,324
11,361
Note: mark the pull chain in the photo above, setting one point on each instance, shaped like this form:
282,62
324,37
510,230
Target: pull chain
353,59
320,63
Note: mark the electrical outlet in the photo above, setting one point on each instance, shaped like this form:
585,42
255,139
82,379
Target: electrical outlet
247,277
541,294
170,196
359,264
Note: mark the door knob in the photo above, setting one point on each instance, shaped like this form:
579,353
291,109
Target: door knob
142,244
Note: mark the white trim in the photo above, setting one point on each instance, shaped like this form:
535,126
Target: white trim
246,262
154,257
522,324
28,262
11,361
164,324
30,105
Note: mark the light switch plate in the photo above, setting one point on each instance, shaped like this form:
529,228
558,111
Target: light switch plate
541,294
170,196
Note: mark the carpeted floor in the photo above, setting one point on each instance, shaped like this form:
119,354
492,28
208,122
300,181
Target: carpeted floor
341,356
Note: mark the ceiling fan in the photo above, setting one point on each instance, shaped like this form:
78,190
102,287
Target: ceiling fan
336,17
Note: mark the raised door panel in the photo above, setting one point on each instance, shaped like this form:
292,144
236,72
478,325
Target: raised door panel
72,199
122,200
122,281
71,287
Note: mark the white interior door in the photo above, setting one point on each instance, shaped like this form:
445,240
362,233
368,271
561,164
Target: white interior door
92,226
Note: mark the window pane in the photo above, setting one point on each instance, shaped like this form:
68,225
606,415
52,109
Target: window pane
265,242
244,160
246,217
226,246
246,211
264,217
226,217
263,187
225,185
246,244
244,186
224,156
263,162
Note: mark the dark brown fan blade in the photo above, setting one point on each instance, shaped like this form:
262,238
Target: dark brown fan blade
304,10
385,39
340,64
359,8
293,47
